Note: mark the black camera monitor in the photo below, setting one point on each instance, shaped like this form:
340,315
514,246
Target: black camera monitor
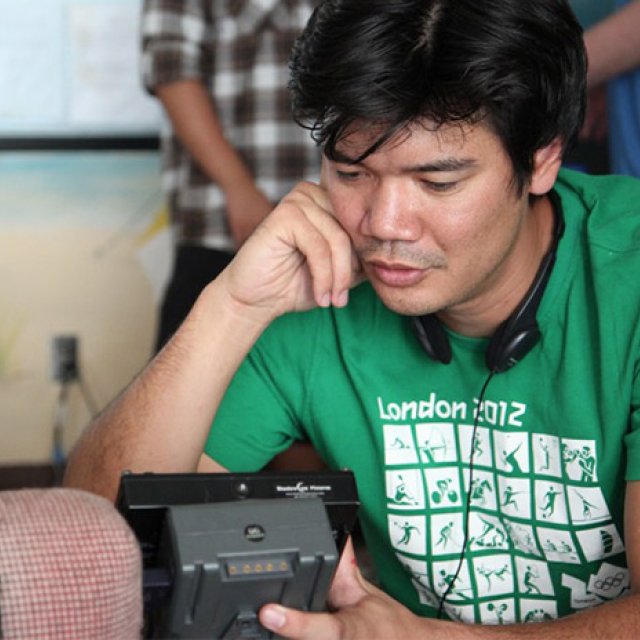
216,547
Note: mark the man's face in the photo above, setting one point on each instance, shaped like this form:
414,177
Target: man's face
433,215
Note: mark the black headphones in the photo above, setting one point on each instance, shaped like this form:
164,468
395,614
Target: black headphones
519,333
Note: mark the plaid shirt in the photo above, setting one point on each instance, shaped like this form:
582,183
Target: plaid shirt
240,50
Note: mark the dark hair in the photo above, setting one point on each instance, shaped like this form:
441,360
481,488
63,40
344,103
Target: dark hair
518,66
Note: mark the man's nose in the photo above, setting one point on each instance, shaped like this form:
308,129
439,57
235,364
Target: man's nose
392,213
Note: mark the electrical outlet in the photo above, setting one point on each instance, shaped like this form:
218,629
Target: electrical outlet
64,358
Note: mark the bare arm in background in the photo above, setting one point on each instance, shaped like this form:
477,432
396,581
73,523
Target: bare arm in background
613,45
195,122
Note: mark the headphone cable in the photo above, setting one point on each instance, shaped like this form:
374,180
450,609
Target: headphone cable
467,513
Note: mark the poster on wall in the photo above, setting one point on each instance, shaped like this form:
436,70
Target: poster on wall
71,68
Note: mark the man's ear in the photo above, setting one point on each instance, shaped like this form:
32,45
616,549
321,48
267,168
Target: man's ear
546,164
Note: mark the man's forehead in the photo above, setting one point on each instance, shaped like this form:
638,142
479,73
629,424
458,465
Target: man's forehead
423,135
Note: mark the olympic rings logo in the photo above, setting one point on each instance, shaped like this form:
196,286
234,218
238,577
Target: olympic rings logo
610,582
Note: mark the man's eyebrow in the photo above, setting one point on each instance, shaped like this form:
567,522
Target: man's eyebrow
342,158
443,164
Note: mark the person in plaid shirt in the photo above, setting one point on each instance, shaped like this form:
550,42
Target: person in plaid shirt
230,149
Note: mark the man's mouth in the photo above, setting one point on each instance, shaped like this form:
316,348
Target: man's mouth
396,274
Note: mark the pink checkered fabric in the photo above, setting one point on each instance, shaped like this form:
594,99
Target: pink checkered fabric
70,567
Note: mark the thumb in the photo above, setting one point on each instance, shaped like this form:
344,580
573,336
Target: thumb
348,587
290,623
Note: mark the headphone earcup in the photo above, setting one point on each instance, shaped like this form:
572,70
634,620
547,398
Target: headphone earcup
507,348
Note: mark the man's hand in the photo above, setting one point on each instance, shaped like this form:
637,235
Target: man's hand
298,258
360,611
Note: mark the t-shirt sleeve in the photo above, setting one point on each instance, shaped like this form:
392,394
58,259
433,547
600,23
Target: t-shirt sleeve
176,42
261,413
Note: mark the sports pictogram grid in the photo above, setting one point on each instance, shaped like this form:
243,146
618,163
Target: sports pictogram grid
534,501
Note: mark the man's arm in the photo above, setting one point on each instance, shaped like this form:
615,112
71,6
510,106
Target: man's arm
298,258
195,122
161,421
613,45
364,612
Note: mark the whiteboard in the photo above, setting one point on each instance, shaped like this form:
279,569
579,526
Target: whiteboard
71,68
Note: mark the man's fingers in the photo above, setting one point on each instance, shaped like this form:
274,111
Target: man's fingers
346,270
361,610
299,257
326,246
290,623
329,261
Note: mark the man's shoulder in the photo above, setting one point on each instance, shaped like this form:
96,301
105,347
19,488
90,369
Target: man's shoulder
609,191
609,186
609,205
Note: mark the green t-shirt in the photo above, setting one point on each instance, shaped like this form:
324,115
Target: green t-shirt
557,435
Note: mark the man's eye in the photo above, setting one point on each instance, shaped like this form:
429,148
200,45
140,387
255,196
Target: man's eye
440,187
348,175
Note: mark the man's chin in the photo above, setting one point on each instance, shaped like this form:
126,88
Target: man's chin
404,301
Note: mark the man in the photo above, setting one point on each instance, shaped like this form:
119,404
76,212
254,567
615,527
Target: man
499,307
